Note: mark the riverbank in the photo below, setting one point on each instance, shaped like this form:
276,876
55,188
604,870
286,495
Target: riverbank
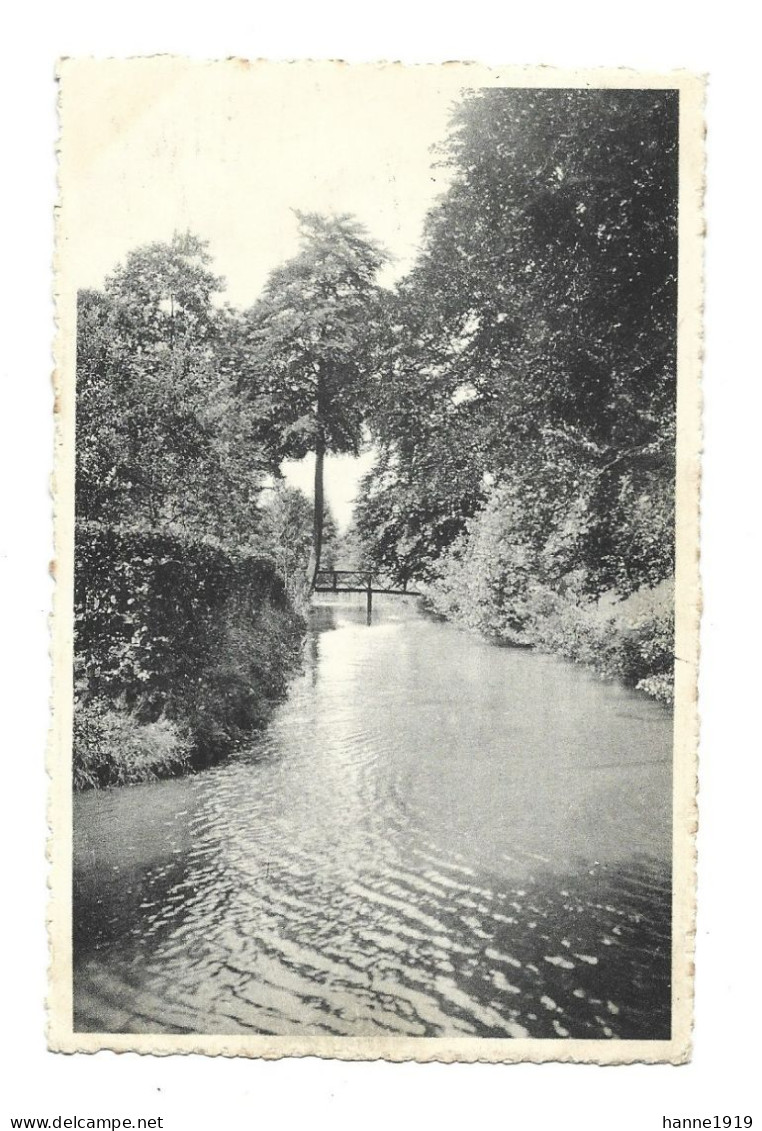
630,639
182,647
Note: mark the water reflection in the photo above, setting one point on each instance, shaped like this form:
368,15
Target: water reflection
433,837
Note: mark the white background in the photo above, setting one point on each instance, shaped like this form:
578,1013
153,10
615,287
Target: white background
199,1093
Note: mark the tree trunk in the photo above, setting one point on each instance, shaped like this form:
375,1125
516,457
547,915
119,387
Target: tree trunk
317,518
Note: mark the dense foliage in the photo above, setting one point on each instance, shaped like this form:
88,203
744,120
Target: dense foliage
287,531
163,439
525,405
186,639
308,347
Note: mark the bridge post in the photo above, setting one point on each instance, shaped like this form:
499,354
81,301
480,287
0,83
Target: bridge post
370,598
335,580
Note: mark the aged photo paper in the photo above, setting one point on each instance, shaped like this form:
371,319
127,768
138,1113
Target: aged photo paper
377,589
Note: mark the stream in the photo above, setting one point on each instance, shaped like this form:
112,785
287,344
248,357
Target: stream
434,836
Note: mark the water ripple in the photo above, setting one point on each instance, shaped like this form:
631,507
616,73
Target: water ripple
386,860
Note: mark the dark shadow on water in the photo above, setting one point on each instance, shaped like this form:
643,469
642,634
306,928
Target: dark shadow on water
322,618
589,953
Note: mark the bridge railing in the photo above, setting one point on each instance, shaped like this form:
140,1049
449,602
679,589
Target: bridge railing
335,580
357,581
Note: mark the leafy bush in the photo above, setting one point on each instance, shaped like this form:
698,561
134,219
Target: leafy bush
630,640
172,631
496,580
645,656
661,687
488,574
251,651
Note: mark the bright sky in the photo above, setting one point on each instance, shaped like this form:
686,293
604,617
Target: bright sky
227,150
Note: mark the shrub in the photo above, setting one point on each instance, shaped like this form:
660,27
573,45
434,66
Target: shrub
645,653
176,631
486,577
497,581
251,651
631,640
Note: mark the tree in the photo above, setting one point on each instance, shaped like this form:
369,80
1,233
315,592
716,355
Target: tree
163,296
310,348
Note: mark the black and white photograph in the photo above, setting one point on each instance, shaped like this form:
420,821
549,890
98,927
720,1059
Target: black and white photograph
376,560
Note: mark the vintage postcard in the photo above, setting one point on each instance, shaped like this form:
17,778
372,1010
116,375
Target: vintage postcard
377,600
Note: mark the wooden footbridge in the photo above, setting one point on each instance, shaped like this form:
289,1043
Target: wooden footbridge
358,581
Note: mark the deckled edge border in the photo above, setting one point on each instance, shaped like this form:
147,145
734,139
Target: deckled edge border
677,1050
